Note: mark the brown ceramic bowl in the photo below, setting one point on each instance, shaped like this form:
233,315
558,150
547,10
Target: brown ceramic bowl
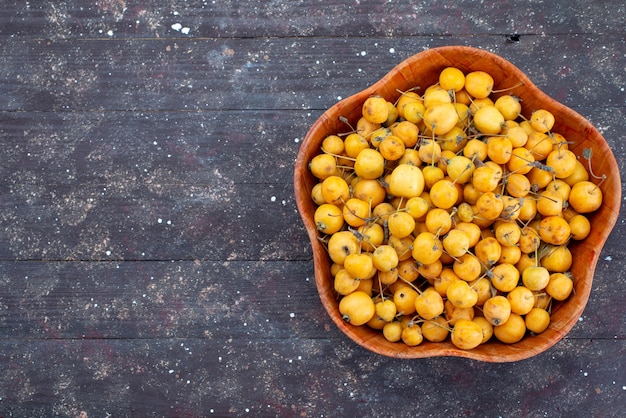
422,70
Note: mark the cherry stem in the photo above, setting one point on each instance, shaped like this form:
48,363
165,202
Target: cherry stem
588,153
410,284
345,120
521,83
603,178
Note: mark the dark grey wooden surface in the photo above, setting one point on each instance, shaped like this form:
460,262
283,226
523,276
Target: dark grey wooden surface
152,260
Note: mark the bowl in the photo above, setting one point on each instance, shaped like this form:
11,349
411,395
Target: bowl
423,70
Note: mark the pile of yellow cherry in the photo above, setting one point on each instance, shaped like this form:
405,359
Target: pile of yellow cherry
448,214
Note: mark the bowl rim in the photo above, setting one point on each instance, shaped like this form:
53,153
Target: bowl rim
404,70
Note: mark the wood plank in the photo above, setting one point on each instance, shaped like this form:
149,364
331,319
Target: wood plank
207,299
172,149
275,73
297,377
304,18
214,222
168,149
218,300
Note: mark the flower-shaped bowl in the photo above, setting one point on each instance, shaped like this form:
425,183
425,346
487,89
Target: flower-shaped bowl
423,70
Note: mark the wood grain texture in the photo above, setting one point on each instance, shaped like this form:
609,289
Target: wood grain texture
273,377
303,18
274,73
152,260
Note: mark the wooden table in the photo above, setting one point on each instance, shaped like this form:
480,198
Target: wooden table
152,260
